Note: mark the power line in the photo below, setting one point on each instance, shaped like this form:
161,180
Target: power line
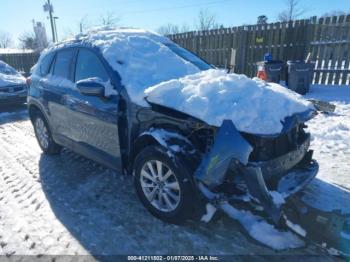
175,7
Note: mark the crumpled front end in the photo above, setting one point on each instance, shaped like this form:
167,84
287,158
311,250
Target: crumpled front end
237,169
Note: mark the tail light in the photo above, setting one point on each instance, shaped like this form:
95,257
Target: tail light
28,81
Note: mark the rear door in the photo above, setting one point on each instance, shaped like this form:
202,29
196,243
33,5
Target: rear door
94,121
58,86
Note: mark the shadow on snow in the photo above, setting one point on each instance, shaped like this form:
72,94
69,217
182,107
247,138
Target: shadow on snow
100,209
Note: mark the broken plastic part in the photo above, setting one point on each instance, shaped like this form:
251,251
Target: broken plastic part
257,188
228,144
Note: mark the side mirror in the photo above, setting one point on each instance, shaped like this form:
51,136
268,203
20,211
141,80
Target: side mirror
91,87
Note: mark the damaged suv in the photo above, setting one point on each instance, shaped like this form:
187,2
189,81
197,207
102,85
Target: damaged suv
192,136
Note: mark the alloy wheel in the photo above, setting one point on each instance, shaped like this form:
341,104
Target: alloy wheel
42,133
160,185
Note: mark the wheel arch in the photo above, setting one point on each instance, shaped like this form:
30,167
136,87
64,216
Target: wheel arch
141,142
189,159
34,109
149,138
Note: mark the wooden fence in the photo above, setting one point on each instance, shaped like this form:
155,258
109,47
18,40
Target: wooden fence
22,62
326,39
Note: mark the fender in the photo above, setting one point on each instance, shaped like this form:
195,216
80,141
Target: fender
32,103
177,146
228,145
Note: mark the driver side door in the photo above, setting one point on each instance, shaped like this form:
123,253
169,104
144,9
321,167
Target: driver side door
94,120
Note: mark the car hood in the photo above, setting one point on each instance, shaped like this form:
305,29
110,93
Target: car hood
10,80
254,106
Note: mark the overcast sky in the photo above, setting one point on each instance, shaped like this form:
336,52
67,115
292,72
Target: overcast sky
17,15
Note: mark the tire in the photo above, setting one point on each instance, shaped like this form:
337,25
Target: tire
177,212
43,132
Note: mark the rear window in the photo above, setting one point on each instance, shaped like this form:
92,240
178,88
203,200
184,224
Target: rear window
63,63
45,64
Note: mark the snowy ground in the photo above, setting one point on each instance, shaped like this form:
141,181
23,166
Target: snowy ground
67,204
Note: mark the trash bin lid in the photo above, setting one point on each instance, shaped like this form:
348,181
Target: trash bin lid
292,62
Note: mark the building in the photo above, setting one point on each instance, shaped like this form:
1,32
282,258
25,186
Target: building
40,35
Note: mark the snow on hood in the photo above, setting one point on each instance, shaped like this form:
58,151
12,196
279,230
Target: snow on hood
10,80
9,76
213,96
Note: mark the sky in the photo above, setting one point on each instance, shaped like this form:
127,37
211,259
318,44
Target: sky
16,15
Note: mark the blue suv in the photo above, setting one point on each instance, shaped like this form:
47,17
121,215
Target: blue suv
79,99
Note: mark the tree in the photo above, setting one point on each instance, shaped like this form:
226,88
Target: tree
83,24
185,28
206,21
262,20
109,19
334,13
5,39
28,41
170,29
292,12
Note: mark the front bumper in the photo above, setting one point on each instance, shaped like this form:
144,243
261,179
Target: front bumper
228,159
289,183
13,98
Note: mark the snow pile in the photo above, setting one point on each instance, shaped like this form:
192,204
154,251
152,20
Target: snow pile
263,232
9,76
140,57
331,144
213,96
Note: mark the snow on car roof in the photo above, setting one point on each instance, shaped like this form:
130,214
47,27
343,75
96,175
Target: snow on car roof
141,57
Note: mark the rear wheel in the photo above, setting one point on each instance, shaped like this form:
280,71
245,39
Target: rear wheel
44,137
162,185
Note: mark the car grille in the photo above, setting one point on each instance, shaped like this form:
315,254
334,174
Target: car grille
12,89
267,148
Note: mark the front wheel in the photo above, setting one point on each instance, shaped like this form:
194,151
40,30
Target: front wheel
44,137
163,186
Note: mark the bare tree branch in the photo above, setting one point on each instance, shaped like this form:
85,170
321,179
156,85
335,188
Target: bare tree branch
206,21
28,41
5,39
292,12
109,19
83,24
262,20
185,28
334,13
170,29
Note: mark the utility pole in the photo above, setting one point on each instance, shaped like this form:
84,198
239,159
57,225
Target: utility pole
48,8
54,20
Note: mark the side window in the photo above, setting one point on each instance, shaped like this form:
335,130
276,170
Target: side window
45,64
63,62
89,65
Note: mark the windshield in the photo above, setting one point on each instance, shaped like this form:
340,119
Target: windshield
188,56
6,69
